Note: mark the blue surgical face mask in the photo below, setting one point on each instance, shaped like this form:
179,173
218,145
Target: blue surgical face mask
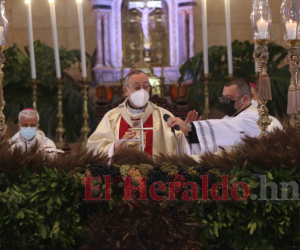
28,133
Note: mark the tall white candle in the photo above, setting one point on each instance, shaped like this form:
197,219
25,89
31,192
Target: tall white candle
204,36
55,40
291,30
262,27
81,36
31,43
228,33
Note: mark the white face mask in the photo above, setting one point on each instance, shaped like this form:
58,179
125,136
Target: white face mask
139,98
28,133
254,103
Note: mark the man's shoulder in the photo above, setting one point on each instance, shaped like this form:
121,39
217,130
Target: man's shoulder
49,142
250,111
275,123
16,137
113,112
45,141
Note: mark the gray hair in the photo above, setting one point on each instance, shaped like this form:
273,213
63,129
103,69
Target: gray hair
29,114
131,73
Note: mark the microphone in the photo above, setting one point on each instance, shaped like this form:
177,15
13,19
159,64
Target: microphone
166,118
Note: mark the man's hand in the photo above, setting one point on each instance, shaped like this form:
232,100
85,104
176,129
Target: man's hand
192,117
177,121
119,145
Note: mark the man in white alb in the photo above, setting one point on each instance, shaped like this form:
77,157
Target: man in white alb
29,133
241,119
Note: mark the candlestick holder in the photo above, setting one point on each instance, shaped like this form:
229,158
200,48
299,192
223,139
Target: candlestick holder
3,126
85,129
60,128
261,55
33,84
206,111
293,59
147,55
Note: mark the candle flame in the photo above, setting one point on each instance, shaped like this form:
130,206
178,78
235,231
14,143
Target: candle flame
51,1
79,1
290,20
261,19
27,1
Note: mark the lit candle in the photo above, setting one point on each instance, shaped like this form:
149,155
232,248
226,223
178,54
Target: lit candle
31,43
55,40
262,27
81,36
204,36
291,30
228,33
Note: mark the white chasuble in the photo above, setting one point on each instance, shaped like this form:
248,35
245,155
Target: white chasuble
25,145
117,122
229,131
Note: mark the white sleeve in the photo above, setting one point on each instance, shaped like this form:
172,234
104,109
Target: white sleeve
187,146
49,144
216,133
111,150
274,124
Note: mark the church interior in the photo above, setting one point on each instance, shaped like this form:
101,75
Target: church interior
70,64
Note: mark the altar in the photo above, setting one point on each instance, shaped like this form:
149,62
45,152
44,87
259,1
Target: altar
160,33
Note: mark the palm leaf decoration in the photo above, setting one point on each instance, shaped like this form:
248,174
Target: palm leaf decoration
243,64
18,92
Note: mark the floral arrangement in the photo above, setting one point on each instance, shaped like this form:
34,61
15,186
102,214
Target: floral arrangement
43,202
166,174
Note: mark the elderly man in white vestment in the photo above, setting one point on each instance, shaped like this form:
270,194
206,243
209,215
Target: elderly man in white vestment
116,125
212,135
29,133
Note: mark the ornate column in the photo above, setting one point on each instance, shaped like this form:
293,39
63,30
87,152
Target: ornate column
191,32
261,20
107,59
184,54
290,20
206,110
99,16
85,130
293,59
60,127
261,55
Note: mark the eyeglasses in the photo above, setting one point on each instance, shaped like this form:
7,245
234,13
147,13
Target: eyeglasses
227,100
